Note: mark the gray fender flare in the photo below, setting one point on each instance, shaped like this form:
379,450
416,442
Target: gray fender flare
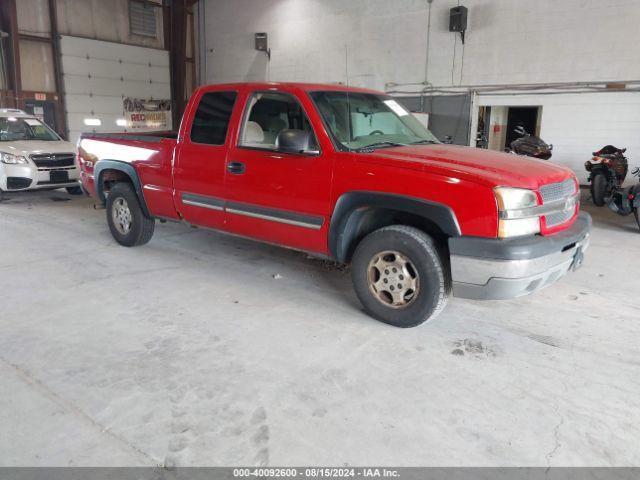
125,168
352,206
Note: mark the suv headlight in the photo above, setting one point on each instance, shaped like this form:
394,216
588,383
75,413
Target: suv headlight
516,211
10,159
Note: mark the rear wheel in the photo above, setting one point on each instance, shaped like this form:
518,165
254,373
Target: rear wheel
400,277
127,222
598,189
636,213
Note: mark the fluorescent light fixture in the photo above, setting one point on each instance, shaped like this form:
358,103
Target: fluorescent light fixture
121,122
12,119
92,122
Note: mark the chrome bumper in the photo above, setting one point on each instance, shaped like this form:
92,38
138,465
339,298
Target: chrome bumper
490,269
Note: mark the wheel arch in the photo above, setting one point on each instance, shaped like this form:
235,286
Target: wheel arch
107,172
359,213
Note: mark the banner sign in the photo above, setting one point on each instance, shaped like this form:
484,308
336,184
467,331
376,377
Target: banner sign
147,114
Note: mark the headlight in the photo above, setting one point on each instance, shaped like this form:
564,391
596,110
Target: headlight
518,227
517,216
515,198
10,159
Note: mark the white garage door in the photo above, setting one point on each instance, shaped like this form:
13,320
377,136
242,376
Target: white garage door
578,124
99,75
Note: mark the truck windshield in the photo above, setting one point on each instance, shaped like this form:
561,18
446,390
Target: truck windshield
366,121
13,129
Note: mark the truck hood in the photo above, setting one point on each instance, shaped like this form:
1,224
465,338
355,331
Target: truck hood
487,167
30,147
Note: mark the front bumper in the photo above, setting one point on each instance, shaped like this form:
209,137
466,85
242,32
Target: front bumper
493,269
15,178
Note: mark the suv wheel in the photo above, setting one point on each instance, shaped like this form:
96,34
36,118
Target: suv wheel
74,190
127,222
399,276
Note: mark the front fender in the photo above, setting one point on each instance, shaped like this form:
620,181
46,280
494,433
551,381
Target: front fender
352,206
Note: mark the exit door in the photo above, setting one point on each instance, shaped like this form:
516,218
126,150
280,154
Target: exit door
43,110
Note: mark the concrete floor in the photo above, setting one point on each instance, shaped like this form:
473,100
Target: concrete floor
204,349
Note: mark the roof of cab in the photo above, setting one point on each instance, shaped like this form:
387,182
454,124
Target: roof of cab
307,87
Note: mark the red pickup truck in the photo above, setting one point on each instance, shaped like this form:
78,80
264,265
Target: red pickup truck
351,175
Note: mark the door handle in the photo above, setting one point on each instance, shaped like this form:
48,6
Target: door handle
237,168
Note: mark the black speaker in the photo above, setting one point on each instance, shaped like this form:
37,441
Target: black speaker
262,42
458,19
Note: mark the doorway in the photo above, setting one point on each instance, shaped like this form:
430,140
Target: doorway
44,110
526,117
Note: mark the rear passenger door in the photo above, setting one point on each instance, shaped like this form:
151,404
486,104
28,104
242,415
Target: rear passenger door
200,165
273,195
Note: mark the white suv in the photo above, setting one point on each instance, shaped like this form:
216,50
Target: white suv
34,157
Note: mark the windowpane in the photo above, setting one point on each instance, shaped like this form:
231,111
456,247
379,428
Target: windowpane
142,18
269,114
33,17
36,66
211,121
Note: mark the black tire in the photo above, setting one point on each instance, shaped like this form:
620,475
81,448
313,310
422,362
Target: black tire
598,189
1,194
434,285
636,213
74,190
140,228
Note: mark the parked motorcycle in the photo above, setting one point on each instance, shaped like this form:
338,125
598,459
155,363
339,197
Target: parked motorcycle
625,201
530,145
607,170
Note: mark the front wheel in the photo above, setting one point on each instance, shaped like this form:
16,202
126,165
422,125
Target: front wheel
400,277
127,222
598,189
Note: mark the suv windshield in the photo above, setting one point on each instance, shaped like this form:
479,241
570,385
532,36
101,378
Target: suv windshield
19,128
366,120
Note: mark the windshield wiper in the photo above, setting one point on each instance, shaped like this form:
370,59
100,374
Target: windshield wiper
423,141
373,146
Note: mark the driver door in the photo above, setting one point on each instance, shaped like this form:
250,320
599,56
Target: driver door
272,195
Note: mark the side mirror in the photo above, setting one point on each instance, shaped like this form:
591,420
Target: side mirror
448,139
296,141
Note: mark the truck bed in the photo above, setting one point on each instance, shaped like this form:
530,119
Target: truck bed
148,153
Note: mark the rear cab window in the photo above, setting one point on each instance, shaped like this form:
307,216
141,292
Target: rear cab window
211,120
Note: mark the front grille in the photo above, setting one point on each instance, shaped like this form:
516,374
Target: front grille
558,191
54,160
559,218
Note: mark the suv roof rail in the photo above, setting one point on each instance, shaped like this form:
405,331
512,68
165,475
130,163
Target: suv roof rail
12,110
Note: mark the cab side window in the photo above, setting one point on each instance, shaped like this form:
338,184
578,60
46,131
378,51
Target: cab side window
267,115
211,121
